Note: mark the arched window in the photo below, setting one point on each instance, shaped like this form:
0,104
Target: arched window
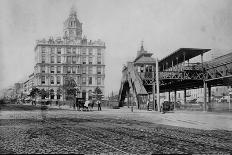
52,94
84,94
90,94
52,79
58,80
58,94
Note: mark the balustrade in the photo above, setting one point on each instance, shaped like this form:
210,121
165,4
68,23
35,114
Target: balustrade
146,75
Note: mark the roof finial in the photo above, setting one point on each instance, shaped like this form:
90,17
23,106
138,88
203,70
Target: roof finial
73,10
142,49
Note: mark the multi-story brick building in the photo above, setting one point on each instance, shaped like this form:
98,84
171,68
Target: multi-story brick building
72,55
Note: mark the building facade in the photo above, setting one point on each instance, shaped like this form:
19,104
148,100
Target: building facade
70,56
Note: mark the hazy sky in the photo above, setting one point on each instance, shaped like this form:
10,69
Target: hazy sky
163,25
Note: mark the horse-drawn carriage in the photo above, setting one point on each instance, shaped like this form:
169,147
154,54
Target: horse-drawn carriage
83,104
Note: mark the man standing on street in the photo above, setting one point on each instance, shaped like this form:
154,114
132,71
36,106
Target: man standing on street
99,105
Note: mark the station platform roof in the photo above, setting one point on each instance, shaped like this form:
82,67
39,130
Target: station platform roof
180,56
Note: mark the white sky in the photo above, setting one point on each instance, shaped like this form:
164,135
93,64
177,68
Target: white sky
163,25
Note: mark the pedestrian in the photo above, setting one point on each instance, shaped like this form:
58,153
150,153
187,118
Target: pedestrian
99,105
77,104
162,108
74,105
86,105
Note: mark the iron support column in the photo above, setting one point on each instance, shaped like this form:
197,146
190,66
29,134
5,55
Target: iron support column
202,61
128,99
172,66
153,87
184,96
209,97
157,85
175,99
169,96
205,96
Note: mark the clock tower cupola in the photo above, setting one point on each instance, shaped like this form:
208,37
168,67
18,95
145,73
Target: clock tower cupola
72,27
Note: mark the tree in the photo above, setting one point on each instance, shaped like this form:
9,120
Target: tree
98,93
44,93
35,92
69,88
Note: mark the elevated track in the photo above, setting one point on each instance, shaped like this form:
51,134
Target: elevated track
175,73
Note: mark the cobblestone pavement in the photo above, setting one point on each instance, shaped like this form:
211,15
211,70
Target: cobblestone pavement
68,132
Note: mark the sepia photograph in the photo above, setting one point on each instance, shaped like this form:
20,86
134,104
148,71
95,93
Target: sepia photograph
111,77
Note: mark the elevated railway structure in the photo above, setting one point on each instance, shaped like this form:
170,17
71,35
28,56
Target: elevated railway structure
146,77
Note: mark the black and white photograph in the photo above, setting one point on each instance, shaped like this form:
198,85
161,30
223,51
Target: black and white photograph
115,77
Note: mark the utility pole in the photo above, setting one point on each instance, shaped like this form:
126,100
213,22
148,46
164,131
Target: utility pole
157,85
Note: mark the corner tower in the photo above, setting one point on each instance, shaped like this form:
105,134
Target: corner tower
72,27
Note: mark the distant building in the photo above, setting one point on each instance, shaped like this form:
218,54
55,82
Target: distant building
26,87
73,56
18,90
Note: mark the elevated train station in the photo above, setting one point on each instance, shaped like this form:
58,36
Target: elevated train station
146,77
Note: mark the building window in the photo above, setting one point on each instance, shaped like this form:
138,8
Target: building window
98,60
90,80
52,69
68,50
43,69
52,79
98,52
99,81
52,59
52,94
52,50
43,79
58,50
58,80
98,70
83,60
74,50
83,95
58,59
69,70
43,50
78,79
58,96
90,51
43,58
64,69
73,60
78,69
58,69
90,70
68,59
84,80
84,70
83,51
90,60
90,95
73,70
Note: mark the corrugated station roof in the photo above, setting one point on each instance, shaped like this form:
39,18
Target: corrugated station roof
182,54
224,59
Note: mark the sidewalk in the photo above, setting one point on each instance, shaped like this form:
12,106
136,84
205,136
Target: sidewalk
188,119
